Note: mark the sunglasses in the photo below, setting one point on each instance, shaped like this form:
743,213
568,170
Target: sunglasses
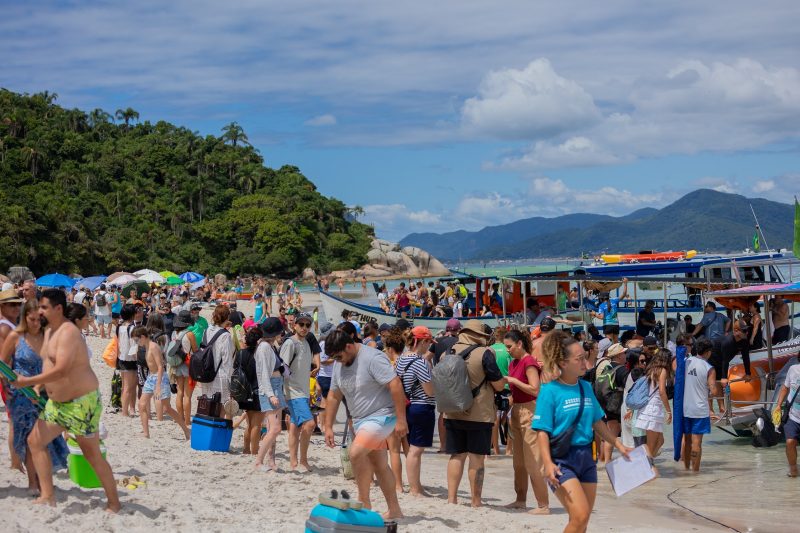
304,324
642,361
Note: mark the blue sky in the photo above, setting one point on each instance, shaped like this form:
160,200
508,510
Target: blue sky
436,116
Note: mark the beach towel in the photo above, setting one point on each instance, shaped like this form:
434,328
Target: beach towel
677,401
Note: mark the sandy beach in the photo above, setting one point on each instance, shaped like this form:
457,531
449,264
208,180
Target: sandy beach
741,488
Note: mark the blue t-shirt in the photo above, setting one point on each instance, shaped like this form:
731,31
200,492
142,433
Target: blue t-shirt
116,307
714,324
557,406
609,310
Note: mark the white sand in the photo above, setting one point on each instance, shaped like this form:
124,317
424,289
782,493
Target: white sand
189,490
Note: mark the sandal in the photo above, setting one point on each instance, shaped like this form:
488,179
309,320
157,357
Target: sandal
354,504
331,499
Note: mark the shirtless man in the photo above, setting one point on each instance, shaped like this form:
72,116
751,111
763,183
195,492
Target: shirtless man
156,385
74,405
780,320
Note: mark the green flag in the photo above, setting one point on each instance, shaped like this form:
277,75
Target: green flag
796,247
756,242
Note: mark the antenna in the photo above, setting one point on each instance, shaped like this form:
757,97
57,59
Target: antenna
758,228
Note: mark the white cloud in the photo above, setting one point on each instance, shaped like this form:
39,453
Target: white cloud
763,186
574,152
394,221
555,197
534,102
718,184
321,120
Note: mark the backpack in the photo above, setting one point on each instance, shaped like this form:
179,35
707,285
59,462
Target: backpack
764,436
174,352
605,389
240,387
451,383
639,395
100,299
201,364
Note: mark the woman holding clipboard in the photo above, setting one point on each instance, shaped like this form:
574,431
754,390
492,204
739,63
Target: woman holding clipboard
567,414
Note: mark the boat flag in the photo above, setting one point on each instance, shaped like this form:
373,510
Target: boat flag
756,242
796,247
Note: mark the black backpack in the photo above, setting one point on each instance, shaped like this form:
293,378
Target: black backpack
201,364
241,380
101,299
766,437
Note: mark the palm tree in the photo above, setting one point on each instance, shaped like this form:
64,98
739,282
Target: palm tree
98,116
32,157
234,133
127,115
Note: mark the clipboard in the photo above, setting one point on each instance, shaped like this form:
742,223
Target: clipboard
626,475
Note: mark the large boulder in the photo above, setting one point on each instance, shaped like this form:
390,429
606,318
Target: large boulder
375,271
377,257
385,246
386,259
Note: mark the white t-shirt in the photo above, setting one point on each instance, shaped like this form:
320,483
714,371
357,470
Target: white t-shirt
104,310
79,297
325,371
792,383
458,309
695,391
127,347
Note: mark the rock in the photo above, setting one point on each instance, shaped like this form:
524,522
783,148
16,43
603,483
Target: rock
377,257
385,246
375,271
309,274
18,274
386,259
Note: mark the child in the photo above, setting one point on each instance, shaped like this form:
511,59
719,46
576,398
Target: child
157,383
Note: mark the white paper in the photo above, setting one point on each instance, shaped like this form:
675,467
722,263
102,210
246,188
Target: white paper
627,475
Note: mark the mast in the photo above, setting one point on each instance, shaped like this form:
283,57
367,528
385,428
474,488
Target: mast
758,227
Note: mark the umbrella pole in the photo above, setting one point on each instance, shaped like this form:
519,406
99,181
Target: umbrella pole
665,316
770,362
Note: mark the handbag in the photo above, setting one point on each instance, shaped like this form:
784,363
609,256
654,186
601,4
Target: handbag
111,352
560,444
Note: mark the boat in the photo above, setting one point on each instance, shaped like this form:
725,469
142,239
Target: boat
642,257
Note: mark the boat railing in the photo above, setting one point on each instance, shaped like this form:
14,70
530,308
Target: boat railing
672,303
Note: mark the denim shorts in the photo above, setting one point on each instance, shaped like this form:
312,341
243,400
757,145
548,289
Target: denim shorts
299,411
578,464
277,388
792,430
103,320
149,386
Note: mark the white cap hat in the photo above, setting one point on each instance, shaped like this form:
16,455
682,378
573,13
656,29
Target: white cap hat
603,345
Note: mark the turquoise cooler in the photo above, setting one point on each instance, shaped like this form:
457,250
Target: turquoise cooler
325,519
211,434
80,471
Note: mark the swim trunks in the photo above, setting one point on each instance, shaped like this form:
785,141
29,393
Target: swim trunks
80,416
299,411
372,431
149,386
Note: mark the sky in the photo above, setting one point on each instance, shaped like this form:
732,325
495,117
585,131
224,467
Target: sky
455,114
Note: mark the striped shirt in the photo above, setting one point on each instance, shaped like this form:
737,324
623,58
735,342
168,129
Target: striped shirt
413,371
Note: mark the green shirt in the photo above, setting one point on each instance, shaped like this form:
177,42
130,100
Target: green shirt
199,329
503,358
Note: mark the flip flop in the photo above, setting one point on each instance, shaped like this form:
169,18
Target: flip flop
136,480
354,504
331,499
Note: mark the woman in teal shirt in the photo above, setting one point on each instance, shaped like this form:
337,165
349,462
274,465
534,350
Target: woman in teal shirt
574,476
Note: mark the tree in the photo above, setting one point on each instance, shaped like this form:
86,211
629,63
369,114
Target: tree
98,116
127,115
234,134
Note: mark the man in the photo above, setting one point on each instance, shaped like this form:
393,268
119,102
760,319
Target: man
647,319
102,313
792,427
609,387
296,353
366,379
780,321
700,381
200,323
609,307
236,317
547,325
29,290
534,313
725,348
441,346
74,403
469,433
714,325
168,317
689,325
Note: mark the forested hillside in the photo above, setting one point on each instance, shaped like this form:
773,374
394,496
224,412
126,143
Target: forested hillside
95,192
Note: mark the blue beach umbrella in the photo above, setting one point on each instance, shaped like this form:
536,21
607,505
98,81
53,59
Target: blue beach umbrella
55,280
191,277
91,283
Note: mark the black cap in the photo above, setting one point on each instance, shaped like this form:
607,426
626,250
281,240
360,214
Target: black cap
650,341
403,324
384,327
272,327
547,324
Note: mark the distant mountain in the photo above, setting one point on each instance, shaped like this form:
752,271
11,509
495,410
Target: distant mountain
703,220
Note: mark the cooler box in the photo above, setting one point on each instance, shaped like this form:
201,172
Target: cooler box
325,519
80,471
211,433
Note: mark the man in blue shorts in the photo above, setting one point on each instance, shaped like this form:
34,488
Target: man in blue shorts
792,427
296,353
700,382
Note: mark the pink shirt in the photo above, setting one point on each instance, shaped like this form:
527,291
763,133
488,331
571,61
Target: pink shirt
518,368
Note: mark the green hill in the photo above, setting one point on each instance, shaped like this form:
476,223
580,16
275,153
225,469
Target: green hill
704,220
81,193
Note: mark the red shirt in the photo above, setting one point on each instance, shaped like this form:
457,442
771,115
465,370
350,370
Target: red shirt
518,368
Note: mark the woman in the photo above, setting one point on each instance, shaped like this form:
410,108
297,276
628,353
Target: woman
394,344
268,296
21,351
252,407
126,359
573,475
756,327
631,435
524,378
223,356
180,373
260,313
78,315
269,369
370,332
657,412
592,352
414,370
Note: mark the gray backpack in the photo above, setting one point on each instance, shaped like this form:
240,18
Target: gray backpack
451,383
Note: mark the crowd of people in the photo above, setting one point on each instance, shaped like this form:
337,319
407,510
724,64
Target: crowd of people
558,400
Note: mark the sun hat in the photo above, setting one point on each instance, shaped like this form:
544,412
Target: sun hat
325,330
474,326
453,324
421,332
271,327
10,296
615,349
183,320
7,285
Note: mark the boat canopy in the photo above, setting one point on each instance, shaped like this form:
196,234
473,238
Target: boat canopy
742,297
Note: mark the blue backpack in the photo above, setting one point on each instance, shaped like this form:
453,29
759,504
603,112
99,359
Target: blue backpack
639,395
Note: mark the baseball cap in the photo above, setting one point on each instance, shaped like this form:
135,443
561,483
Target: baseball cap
304,316
603,345
453,324
384,327
421,332
650,341
325,330
403,324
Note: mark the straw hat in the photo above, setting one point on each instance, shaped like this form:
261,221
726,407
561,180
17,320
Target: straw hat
10,296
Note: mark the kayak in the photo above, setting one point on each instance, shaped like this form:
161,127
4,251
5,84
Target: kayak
655,256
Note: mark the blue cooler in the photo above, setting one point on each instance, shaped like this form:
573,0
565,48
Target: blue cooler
211,433
325,519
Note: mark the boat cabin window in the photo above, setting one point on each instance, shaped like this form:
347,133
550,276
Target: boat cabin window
754,273
774,275
721,273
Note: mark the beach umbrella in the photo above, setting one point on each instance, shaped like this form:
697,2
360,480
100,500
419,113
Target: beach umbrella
115,275
191,277
55,280
174,280
168,274
152,277
121,281
91,283
139,285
